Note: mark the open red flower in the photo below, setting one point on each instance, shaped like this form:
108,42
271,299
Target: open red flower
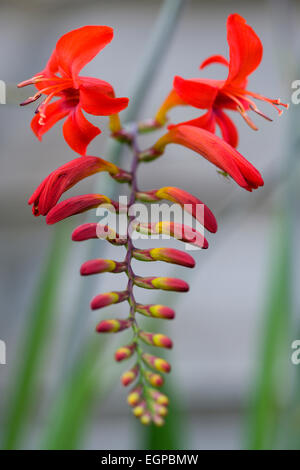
245,54
60,79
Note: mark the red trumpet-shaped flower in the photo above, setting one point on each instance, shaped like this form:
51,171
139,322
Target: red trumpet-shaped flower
60,79
214,149
245,54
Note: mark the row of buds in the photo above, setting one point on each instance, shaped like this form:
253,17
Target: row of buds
157,401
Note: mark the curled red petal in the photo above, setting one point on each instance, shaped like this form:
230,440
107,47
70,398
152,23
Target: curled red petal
94,100
78,131
228,128
52,114
78,47
245,49
214,59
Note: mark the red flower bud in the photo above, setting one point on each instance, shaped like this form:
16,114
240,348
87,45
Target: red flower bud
92,230
170,255
158,397
187,201
214,149
77,205
164,283
156,362
102,300
125,352
130,375
156,311
97,266
113,326
180,232
156,339
134,396
155,380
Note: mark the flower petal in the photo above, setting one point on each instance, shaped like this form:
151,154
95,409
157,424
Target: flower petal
95,99
195,92
245,49
78,47
206,121
220,59
228,128
78,131
53,113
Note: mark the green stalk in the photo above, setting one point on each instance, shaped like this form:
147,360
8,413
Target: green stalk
87,387
22,394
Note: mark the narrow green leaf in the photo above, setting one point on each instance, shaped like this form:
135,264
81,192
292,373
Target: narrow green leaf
31,353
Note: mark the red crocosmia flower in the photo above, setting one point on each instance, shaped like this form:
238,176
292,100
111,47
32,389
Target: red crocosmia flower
245,54
60,79
214,149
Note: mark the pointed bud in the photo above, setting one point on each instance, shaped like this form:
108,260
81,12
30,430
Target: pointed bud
125,352
94,230
191,204
187,201
156,339
130,375
164,283
214,149
169,255
156,311
109,298
158,397
134,396
77,205
97,266
155,380
181,232
113,326
156,362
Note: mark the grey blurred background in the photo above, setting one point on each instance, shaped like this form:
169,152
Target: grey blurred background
217,329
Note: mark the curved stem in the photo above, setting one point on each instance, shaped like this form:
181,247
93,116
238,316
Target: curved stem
129,270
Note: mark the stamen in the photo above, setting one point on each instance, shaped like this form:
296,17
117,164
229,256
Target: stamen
30,81
241,109
258,111
31,99
257,96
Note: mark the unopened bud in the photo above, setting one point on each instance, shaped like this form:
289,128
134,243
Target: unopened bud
113,326
156,339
